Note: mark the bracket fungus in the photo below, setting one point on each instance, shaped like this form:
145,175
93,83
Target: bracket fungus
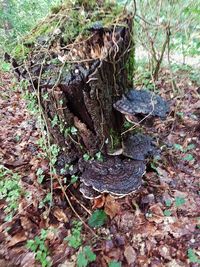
115,176
142,102
138,146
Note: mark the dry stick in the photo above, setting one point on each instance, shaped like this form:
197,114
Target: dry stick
72,208
88,211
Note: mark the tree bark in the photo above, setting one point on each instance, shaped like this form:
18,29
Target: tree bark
77,96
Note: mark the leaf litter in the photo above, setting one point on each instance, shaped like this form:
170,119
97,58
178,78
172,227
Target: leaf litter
157,226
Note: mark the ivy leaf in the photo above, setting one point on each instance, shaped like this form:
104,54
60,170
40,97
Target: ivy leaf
192,256
179,201
86,157
167,213
114,264
168,202
188,157
190,147
81,260
178,147
98,218
5,66
89,254
74,179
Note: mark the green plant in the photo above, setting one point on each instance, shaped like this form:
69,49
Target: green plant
180,148
114,264
85,257
179,201
188,157
74,179
86,157
46,200
168,202
167,213
99,156
192,256
10,190
40,175
38,246
5,66
54,150
75,240
97,219
55,121
31,100
71,130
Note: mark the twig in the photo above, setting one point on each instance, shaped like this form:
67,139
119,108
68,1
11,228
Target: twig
72,208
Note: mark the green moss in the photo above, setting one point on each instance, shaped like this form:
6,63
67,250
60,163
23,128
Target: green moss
20,51
115,140
130,65
73,20
56,9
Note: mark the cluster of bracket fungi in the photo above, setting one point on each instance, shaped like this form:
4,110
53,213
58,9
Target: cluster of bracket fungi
122,174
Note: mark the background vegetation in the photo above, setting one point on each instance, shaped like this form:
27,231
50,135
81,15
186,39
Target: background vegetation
162,28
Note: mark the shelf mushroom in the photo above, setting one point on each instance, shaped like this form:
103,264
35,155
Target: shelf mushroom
122,174
116,176
138,146
142,102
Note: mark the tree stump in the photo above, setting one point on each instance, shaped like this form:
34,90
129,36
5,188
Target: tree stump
79,77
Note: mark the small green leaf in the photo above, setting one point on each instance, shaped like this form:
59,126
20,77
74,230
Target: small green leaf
89,254
188,157
54,122
74,179
180,114
98,218
168,202
81,260
5,66
192,256
99,156
179,201
73,130
167,213
190,147
114,264
86,157
178,147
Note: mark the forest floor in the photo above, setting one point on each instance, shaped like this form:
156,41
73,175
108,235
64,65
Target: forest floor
157,226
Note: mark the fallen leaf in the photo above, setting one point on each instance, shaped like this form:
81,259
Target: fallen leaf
19,237
156,213
111,207
60,215
98,202
130,255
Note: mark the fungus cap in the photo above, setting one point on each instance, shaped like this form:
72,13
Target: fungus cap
142,102
115,176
